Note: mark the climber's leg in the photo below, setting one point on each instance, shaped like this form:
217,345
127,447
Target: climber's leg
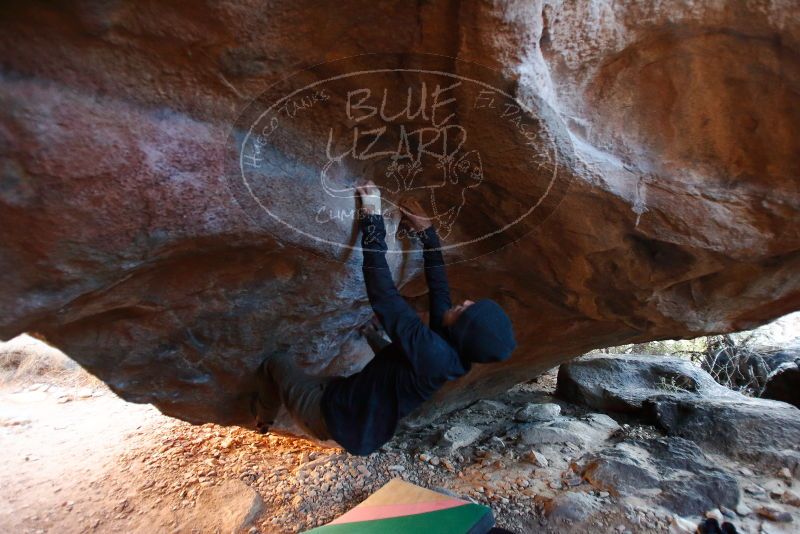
266,402
301,393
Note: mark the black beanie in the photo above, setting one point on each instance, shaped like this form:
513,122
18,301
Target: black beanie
483,333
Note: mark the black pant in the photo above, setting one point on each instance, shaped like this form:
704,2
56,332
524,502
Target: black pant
300,393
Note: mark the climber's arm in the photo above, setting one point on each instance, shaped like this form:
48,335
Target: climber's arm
416,219
436,277
392,310
427,352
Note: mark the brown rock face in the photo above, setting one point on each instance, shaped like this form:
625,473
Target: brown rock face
646,186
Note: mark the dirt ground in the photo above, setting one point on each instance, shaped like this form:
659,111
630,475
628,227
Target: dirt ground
79,459
63,447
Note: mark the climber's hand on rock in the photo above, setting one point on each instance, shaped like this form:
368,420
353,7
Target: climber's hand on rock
414,216
370,198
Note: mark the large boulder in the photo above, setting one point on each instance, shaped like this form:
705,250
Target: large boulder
676,471
783,384
761,431
685,402
623,383
659,168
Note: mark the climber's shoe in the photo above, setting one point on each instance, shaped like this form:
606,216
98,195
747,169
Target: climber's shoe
266,402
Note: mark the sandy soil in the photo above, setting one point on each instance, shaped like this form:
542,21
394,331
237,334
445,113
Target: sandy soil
79,459
62,448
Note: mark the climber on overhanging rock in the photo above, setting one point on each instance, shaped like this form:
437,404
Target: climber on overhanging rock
361,411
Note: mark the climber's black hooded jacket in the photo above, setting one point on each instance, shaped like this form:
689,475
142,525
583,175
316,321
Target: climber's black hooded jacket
362,410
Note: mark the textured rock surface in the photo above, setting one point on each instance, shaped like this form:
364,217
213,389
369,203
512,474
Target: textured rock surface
678,473
537,412
754,429
572,507
625,383
783,384
582,434
236,507
121,243
685,401
460,436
